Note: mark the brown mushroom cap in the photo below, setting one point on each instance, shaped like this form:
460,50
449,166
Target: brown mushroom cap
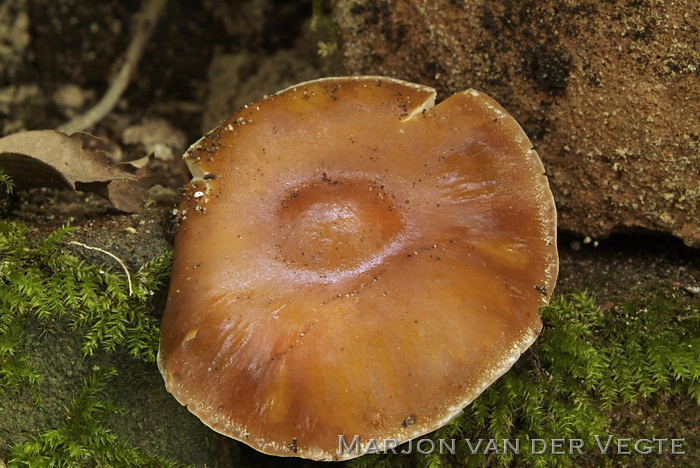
353,261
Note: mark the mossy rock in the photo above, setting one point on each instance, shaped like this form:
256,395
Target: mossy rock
69,328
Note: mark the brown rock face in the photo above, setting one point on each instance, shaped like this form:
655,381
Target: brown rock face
354,262
608,91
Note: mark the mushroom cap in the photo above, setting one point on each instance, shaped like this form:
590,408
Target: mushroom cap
350,261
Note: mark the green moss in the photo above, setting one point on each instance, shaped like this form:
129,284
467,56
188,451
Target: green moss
6,184
82,440
321,21
584,365
43,282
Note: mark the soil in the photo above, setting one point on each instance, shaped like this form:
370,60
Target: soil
72,43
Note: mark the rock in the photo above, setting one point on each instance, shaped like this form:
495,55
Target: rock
20,104
274,45
608,92
70,98
157,136
236,80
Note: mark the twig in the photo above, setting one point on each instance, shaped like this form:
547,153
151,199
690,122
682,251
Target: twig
126,270
145,24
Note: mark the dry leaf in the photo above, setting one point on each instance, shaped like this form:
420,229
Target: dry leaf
48,158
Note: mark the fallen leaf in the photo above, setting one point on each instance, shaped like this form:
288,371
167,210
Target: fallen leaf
48,158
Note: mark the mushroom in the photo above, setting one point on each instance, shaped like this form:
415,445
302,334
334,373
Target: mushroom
353,261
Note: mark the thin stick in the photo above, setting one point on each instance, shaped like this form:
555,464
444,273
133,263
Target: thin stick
126,270
145,24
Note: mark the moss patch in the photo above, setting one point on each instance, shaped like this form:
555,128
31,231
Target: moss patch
82,439
63,321
39,279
